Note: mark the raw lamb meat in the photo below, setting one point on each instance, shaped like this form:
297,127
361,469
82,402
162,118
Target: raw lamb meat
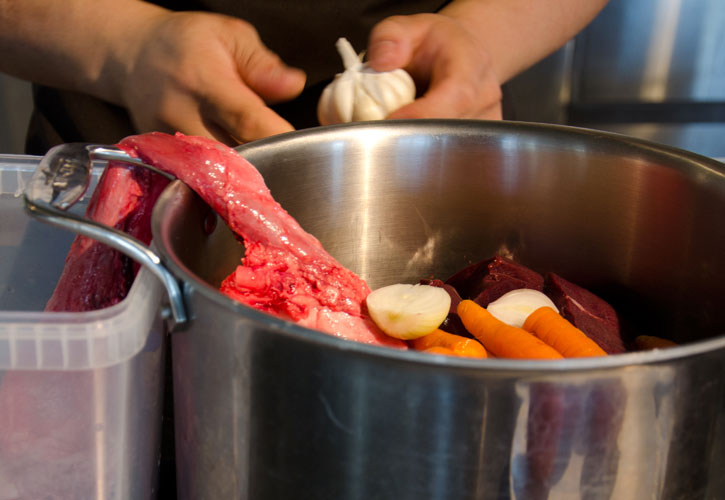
285,270
586,311
487,280
96,276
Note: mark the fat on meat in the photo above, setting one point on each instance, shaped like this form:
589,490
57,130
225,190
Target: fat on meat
285,270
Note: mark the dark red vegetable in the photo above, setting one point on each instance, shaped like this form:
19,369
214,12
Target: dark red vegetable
487,280
452,323
586,311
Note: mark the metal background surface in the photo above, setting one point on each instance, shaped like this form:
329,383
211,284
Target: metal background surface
653,69
266,409
653,51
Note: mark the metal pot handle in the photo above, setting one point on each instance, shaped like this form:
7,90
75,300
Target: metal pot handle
61,179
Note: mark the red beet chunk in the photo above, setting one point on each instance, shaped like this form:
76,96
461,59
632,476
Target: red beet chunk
586,311
452,323
489,279
452,292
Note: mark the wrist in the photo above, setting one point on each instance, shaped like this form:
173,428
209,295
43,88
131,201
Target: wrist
121,38
471,15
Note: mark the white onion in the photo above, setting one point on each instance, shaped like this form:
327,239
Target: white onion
408,311
515,306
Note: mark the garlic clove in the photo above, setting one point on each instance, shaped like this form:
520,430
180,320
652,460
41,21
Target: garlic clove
342,98
366,107
389,89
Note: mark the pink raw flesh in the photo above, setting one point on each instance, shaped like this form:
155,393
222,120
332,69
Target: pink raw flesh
285,270
94,275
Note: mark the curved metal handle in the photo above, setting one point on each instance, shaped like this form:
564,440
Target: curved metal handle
61,179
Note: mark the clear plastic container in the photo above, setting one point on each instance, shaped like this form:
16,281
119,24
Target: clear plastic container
80,393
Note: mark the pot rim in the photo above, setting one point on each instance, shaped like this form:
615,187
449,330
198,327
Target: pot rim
193,284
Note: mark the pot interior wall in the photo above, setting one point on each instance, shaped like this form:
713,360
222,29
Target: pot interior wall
637,224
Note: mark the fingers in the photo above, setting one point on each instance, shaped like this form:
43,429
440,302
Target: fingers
210,75
457,89
269,77
439,103
392,43
237,104
446,61
260,68
242,113
223,108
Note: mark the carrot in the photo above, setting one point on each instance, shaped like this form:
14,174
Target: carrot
439,349
459,345
501,339
646,342
548,325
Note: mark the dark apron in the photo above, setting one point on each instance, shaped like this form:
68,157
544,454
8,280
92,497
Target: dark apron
301,32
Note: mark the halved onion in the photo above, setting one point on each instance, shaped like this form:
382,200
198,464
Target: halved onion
515,306
408,311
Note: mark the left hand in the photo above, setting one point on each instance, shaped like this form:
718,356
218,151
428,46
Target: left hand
447,62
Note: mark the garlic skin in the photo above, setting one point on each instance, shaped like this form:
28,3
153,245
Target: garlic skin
360,93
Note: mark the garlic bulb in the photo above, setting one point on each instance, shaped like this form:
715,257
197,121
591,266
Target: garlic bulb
360,93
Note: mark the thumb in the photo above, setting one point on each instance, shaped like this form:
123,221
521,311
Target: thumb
391,44
266,74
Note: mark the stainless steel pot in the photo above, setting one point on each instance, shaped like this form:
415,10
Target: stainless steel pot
267,409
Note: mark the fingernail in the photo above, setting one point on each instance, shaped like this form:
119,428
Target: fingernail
381,54
286,73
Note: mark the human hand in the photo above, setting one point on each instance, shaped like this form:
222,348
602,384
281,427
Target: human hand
446,61
206,74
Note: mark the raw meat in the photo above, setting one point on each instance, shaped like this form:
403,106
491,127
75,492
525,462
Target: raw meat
96,276
487,280
586,311
285,270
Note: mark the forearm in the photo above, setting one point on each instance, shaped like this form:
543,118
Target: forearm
80,45
518,33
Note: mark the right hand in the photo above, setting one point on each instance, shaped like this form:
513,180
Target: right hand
446,60
205,74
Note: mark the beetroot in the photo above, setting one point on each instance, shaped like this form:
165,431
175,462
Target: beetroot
489,279
586,311
452,323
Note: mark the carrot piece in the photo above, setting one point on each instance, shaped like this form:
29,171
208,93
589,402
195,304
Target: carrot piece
646,342
501,339
458,344
551,327
439,349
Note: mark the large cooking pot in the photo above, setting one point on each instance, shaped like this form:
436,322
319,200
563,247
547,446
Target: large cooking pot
267,409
